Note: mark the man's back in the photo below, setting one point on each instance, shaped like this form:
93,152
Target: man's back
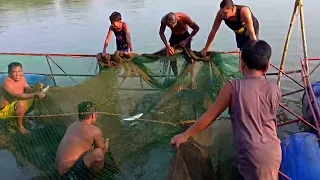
77,140
253,116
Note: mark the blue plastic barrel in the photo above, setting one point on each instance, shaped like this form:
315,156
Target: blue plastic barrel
32,79
301,157
306,111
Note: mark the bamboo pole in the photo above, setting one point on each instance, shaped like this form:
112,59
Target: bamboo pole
286,46
304,40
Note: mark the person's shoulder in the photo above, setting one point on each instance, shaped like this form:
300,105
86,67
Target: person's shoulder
272,87
244,10
7,82
23,80
94,129
237,80
125,25
182,15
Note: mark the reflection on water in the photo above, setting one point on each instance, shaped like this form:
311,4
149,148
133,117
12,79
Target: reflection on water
12,167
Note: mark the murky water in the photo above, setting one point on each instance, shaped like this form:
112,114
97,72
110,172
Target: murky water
80,26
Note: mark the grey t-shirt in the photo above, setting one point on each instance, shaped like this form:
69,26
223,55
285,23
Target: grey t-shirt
253,115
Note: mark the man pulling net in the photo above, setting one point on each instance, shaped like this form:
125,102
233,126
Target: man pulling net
178,23
238,18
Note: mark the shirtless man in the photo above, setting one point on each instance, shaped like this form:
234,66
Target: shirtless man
15,95
178,23
75,156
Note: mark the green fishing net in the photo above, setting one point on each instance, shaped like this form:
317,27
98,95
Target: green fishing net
129,85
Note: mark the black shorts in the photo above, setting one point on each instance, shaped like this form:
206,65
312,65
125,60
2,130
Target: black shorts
242,39
123,49
176,39
79,171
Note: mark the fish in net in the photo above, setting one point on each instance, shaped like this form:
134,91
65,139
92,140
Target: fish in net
140,149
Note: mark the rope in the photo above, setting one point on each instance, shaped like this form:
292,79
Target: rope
182,122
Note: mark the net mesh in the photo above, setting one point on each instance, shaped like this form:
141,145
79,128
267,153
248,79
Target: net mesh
144,83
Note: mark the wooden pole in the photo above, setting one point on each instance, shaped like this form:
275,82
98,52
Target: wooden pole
286,46
304,41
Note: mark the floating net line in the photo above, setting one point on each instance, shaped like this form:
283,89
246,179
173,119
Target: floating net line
138,149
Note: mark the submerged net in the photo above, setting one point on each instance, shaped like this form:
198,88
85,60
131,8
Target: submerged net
140,83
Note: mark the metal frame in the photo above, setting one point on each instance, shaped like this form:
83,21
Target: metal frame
306,87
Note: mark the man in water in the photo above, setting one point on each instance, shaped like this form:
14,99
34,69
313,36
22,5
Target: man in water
178,23
121,31
239,19
75,156
15,95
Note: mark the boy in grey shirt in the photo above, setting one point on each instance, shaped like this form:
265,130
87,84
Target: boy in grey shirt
252,103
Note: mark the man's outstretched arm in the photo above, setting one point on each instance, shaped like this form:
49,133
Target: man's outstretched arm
128,36
99,142
214,29
9,88
107,41
247,19
193,25
161,33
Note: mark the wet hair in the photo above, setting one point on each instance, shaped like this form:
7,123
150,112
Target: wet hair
115,16
256,54
85,110
170,18
13,65
226,4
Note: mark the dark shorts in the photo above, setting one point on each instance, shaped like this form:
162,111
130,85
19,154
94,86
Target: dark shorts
79,171
123,49
242,39
176,39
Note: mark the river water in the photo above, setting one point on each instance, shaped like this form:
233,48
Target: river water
80,26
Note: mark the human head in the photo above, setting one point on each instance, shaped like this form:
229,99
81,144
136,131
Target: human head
227,9
171,19
87,111
116,20
15,71
255,55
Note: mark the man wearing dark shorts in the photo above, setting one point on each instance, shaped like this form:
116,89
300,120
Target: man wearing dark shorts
178,23
76,157
176,39
238,18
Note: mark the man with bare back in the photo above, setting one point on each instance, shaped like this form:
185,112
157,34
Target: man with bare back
15,95
76,157
178,23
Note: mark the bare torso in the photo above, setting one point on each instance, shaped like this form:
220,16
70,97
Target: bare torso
76,142
181,26
5,97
